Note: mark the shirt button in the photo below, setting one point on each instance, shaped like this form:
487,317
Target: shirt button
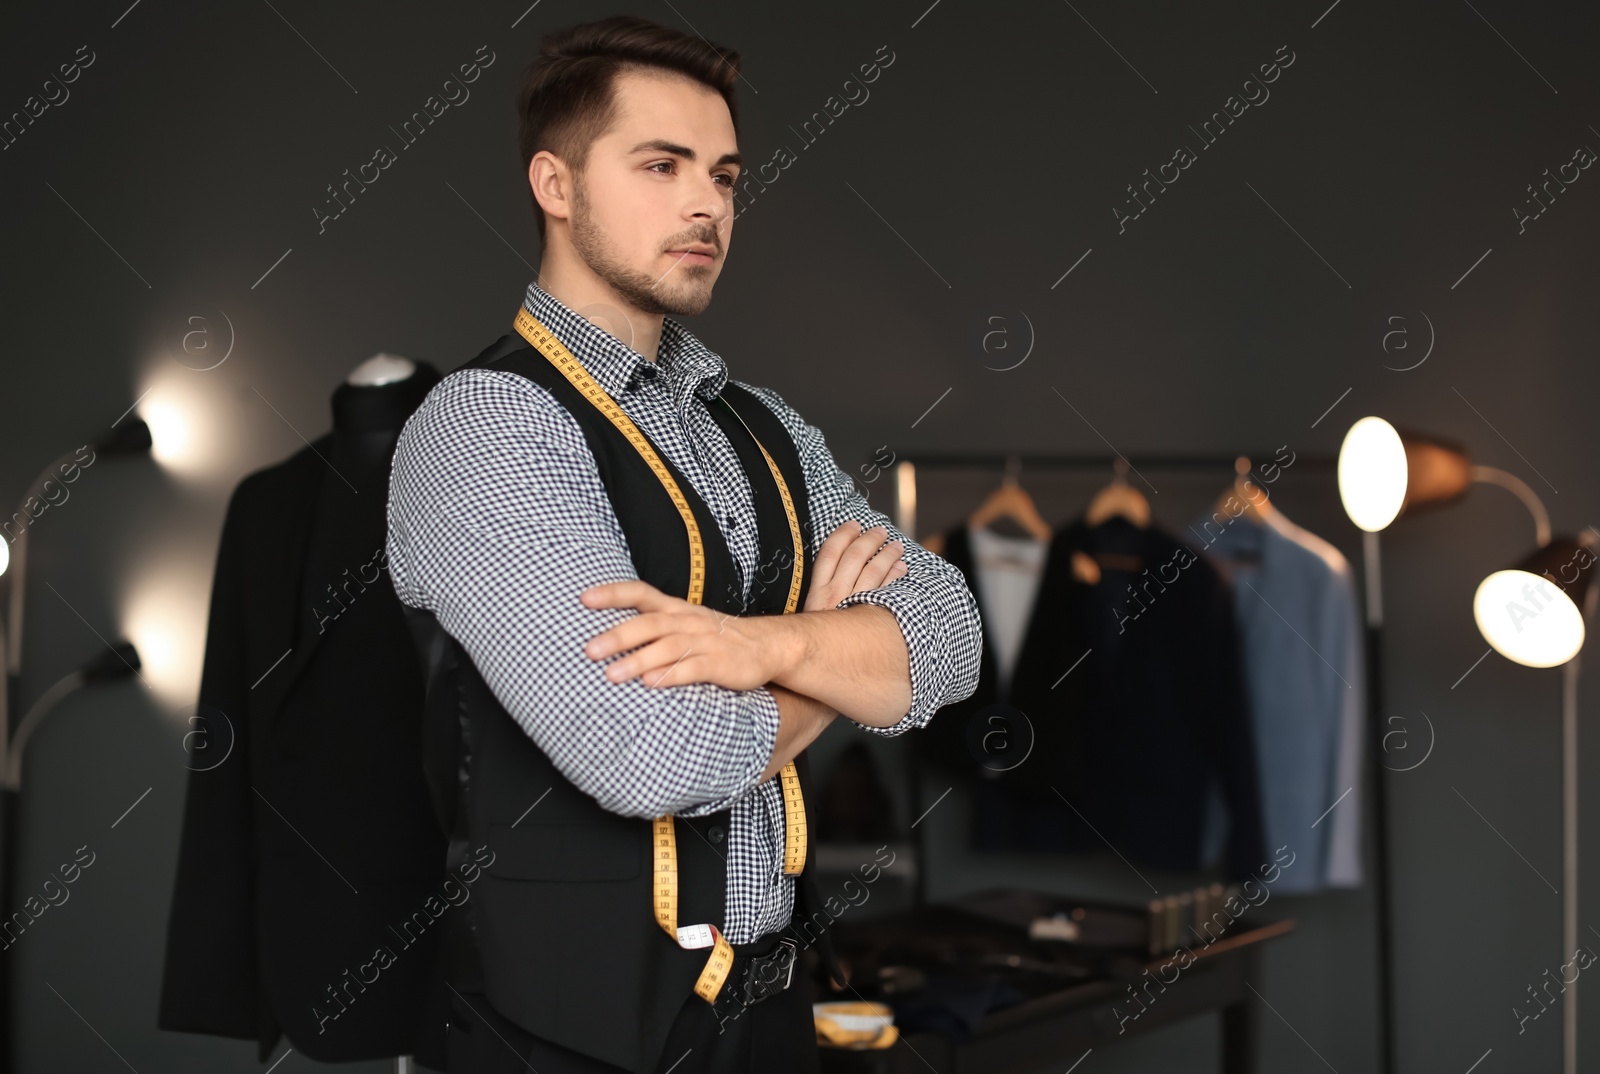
716,833
733,522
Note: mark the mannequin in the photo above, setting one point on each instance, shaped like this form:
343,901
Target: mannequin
315,842
369,409
370,421
382,368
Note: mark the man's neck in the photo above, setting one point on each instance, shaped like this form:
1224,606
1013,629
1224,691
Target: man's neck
597,303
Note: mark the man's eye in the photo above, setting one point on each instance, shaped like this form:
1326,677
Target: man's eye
732,180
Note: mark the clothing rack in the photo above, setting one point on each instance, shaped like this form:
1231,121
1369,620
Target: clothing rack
905,500
905,506
1014,462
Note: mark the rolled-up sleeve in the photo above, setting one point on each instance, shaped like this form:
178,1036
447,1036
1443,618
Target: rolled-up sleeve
497,521
935,609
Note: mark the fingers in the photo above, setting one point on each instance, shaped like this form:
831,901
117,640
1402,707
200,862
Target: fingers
878,568
854,558
680,659
850,561
633,593
825,563
652,664
646,627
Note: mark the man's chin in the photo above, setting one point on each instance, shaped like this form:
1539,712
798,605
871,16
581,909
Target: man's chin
689,303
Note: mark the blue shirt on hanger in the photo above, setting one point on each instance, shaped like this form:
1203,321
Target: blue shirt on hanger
1295,603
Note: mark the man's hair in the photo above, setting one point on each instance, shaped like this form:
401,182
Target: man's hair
567,99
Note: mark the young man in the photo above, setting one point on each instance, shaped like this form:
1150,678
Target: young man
655,590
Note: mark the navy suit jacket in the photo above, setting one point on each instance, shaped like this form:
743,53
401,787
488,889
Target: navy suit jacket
1125,747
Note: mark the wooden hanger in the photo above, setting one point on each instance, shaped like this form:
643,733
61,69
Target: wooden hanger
1118,499
1257,506
1011,500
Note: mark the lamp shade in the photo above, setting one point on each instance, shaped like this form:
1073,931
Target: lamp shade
1384,470
120,661
1532,613
1372,473
130,439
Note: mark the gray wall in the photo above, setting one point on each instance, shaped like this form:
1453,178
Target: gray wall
1250,297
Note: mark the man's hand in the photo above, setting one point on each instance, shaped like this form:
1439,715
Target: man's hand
676,642
849,561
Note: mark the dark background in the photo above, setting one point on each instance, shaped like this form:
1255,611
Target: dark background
1252,296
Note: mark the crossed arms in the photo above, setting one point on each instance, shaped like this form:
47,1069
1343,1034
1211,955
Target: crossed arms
823,662
498,522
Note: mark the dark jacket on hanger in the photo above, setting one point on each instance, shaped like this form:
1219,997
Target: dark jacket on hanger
1126,744
308,834
560,935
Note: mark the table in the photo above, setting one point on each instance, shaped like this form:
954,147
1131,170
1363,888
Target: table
1060,1023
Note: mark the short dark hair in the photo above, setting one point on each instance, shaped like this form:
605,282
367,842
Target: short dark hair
567,98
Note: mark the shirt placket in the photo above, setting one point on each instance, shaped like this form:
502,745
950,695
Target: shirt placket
676,380
699,428
723,495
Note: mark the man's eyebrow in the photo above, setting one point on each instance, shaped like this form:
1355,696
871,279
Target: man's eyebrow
661,145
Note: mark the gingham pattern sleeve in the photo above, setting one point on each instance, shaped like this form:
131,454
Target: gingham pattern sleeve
936,611
498,520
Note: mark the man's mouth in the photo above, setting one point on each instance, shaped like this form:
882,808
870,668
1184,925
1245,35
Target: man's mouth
694,255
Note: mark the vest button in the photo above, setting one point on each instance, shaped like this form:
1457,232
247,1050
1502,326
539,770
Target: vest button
716,833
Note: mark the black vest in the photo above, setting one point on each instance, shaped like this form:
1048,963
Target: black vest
560,935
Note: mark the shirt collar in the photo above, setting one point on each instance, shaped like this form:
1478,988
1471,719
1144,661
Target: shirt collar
689,365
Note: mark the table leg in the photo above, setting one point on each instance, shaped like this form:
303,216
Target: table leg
1241,1023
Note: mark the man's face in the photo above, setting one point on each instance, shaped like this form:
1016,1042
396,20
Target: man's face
655,185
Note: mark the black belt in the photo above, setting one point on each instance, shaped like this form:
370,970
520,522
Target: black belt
755,978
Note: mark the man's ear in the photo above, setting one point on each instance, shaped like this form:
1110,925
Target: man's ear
551,182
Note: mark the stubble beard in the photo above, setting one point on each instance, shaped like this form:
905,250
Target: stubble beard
684,290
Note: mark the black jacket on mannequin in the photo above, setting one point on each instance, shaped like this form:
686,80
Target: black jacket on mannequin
309,844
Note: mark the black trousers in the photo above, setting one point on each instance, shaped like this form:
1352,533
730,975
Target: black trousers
775,1036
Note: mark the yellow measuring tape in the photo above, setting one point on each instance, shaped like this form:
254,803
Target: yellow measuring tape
665,847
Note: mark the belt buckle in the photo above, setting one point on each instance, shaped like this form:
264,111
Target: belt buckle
756,988
794,956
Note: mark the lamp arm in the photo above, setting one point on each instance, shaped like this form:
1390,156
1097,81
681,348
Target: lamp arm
30,723
1491,475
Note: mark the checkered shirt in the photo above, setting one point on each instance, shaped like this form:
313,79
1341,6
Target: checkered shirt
498,519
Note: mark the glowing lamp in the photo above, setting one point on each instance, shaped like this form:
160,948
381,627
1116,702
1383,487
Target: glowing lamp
1384,471
1532,613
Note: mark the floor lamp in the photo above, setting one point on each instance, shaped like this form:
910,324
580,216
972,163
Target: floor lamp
1532,613
132,439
